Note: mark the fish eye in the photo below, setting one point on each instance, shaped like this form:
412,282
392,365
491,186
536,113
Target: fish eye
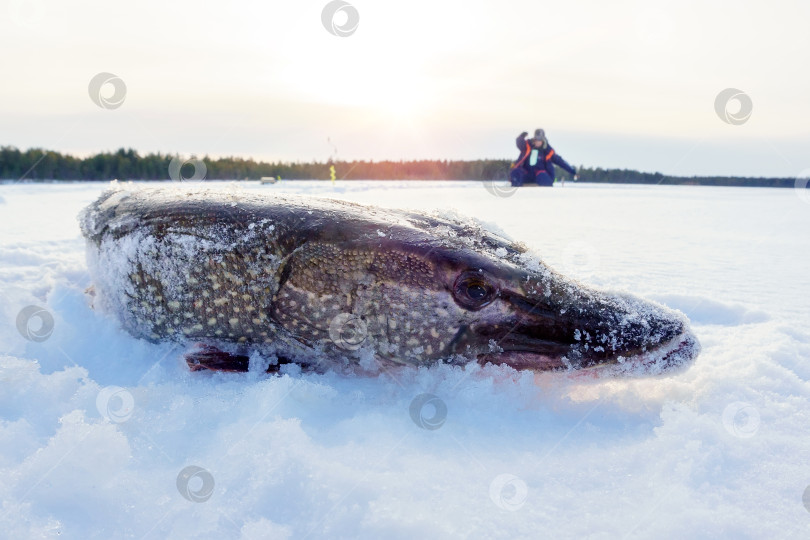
472,290
476,291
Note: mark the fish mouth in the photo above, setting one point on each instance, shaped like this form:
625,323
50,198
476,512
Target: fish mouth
670,356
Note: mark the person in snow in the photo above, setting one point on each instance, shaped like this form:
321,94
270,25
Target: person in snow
536,161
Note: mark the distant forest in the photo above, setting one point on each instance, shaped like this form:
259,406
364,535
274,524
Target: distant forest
44,165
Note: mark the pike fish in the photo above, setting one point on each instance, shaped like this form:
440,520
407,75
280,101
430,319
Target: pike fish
330,284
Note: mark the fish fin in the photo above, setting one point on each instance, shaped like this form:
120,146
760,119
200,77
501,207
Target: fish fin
207,357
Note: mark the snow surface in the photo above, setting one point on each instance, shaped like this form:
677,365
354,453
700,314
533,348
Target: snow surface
106,436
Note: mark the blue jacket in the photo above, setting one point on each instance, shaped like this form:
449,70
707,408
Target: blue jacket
546,158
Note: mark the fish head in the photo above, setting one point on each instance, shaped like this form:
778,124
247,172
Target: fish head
539,319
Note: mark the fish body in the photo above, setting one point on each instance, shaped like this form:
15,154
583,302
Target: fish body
328,283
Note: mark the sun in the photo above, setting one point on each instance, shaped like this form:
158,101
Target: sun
376,83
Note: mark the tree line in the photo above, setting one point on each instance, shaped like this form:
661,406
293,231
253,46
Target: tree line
126,164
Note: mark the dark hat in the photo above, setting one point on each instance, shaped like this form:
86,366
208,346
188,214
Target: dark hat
540,135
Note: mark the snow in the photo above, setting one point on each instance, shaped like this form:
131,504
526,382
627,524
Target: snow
106,436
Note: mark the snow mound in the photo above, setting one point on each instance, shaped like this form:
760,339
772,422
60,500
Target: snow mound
703,310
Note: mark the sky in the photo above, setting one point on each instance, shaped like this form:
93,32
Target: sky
622,84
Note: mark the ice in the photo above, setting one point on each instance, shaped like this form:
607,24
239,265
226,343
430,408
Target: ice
96,426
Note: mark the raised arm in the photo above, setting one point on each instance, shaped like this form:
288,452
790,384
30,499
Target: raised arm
520,142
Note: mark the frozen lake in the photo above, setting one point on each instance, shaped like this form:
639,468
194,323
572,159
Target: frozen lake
96,426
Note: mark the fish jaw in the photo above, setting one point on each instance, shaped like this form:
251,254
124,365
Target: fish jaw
554,323
668,358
